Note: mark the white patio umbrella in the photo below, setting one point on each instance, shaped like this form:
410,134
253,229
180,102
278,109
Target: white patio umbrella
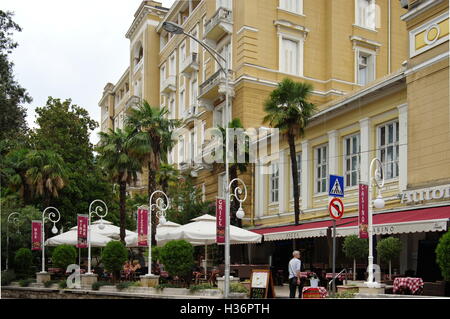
109,230
132,240
202,231
71,238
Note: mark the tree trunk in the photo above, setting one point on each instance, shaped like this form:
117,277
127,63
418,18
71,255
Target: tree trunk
293,154
122,209
390,276
354,269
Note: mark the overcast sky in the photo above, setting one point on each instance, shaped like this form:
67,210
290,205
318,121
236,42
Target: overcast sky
71,49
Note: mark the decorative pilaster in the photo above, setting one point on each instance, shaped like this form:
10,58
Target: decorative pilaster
306,168
403,146
333,152
365,147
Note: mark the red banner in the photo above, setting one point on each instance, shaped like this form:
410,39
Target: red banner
363,211
82,231
220,220
142,227
36,235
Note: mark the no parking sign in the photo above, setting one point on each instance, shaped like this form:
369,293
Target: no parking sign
336,208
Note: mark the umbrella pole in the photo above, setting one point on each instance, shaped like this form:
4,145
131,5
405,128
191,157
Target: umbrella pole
206,262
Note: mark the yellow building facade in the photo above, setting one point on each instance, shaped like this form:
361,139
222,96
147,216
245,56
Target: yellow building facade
379,69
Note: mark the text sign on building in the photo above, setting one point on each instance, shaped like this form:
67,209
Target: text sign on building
142,227
36,235
220,220
425,194
336,208
82,229
363,217
336,186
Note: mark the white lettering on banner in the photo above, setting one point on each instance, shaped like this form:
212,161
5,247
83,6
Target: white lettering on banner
426,194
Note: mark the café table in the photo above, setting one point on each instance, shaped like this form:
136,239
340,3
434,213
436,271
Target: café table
414,285
311,293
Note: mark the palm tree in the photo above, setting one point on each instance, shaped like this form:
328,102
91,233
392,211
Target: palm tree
154,129
152,132
288,109
167,176
13,173
46,174
235,166
121,160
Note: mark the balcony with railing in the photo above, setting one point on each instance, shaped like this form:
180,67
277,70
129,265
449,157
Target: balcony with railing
133,102
189,64
219,25
169,84
215,86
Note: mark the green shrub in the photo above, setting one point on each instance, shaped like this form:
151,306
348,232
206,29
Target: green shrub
114,256
178,257
50,283
63,256
194,288
124,285
343,295
96,285
7,277
167,285
443,256
26,282
62,284
238,287
23,261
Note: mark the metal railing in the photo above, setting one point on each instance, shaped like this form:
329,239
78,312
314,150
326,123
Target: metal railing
333,281
221,14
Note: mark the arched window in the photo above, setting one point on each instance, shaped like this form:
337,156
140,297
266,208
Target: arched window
138,53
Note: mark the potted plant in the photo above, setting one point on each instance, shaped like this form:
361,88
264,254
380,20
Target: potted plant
114,256
388,249
355,248
443,259
313,280
177,256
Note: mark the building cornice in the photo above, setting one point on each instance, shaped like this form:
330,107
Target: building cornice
142,12
421,8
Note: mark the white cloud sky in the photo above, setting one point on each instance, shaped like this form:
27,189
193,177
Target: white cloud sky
71,49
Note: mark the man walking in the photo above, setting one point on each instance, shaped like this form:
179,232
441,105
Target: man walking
294,274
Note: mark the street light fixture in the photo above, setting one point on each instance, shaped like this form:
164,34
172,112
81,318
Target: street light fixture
378,179
51,217
161,208
11,220
101,205
223,63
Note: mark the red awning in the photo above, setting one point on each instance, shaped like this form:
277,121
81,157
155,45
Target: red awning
419,220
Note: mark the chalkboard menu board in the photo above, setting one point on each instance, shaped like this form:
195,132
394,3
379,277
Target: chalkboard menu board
261,285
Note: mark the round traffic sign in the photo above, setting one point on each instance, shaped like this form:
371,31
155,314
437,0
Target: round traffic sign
336,208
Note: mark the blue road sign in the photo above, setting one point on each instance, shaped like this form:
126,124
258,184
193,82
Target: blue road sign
336,186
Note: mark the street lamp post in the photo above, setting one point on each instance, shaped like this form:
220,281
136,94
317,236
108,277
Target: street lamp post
53,216
101,205
161,208
14,220
224,66
378,179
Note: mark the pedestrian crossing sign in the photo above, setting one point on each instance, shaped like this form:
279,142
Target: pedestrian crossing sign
336,186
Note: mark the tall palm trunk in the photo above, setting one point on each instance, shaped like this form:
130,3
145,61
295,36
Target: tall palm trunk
293,154
153,167
122,210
